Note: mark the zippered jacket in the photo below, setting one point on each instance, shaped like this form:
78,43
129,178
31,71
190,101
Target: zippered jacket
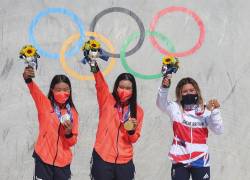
190,131
52,146
113,143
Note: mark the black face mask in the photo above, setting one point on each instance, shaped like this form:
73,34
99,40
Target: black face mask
189,99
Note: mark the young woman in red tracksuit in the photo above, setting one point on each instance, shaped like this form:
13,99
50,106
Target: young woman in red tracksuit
190,119
112,157
58,127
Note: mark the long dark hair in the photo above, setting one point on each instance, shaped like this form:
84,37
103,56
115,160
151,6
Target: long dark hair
57,79
183,82
133,100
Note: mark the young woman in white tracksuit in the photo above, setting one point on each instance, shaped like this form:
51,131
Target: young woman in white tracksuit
190,119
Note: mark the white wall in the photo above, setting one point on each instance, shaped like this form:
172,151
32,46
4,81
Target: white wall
221,67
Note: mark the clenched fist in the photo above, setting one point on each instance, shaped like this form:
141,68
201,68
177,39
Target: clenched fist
68,127
213,104
28,73
166,81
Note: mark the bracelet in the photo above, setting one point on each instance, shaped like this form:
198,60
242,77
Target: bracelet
28,80
68,135
131,132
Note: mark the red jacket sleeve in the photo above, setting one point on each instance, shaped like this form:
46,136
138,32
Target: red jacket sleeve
39,98
102,89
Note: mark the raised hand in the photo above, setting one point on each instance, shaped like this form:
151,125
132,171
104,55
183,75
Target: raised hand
166,81
28,73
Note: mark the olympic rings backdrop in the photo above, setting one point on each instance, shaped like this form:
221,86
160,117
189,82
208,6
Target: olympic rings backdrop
46,12
168,50
210,38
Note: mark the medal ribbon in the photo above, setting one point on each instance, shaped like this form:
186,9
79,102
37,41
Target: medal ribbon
59,114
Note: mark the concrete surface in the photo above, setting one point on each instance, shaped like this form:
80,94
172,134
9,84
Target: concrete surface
221,67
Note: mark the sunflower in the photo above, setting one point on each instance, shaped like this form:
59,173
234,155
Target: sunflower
94,45
28,51
86,46
168,60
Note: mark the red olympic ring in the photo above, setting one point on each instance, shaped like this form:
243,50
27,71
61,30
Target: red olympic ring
184,10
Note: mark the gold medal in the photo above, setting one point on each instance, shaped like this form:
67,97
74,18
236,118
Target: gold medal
129,125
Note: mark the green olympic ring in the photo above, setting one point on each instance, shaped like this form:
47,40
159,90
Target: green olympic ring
131,38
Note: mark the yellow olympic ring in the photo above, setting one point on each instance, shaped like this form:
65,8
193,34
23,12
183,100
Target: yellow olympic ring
73,38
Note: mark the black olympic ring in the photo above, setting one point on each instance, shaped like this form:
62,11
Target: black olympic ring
128,12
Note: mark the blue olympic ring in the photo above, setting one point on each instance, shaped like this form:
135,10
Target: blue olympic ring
64,11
